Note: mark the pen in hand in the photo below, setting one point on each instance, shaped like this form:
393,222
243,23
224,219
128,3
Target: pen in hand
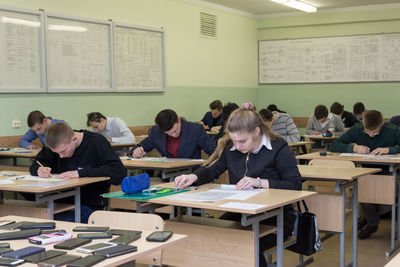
45,172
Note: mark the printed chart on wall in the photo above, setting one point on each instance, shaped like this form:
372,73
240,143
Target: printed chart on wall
78,55
21,53
139,59
361,58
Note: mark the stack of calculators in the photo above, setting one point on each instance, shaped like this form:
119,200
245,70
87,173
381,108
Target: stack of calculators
45,233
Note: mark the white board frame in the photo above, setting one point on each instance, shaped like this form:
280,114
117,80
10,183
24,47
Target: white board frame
41,51
110,87
141,28
380,69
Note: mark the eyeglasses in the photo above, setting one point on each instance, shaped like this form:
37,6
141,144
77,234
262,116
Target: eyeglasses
372,133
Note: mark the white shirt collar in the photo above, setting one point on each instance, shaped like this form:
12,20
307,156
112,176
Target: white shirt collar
108,124
265,141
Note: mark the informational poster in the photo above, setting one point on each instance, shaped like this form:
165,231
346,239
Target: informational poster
78,55
139,59
21,53
362,58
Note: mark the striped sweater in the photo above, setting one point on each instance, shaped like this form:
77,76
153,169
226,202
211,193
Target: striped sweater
284,126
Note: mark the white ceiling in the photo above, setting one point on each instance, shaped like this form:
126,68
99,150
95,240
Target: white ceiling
266,7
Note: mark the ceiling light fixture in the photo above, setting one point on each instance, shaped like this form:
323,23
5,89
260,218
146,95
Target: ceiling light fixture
297,5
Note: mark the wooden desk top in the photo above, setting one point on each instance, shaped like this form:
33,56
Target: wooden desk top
13,152
320,137
394,262
334,172
301,143
117,145
144,247
272,198
357,159
157,165
16,187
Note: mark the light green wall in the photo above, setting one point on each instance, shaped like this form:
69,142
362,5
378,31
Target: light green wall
198,70
300,99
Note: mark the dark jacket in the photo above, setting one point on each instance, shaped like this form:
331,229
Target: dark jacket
278,166
94,157
395,120
389,136
193,140
208,120
348,119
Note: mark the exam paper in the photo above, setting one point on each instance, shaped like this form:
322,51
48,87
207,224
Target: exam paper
6,182
238,194
46,184
242,206
207,196
368,156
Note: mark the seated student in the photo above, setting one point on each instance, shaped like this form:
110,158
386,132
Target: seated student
271,164
114,129
38,124
359,111
395,120
174,137
282,124
372,136
227,109
72,154
273,107
213,119
348,119
321,121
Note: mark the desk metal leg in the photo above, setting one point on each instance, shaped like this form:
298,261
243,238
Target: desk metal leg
279,239
393,244
78,205
50,206
256,230
355,222
343,233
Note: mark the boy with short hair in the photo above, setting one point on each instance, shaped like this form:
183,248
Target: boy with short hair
114,129
372,136
348,119
174,137
282,124
213,118
73,154
38,124
359,111
322,120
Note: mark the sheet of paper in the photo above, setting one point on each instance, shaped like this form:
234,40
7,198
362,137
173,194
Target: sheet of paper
207,196
242,206
46,184
238,194
31,178
161,159
6,182
368,156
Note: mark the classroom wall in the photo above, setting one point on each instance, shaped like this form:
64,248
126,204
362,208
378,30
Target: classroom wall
198,70
300,99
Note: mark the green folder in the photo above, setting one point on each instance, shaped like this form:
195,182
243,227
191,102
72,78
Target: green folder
142,196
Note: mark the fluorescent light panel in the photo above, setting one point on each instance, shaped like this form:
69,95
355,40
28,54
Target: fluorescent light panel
24,22
54,27
297,5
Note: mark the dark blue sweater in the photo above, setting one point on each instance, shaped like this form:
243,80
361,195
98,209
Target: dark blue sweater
208,120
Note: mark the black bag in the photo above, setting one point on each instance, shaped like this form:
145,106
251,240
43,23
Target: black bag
307,237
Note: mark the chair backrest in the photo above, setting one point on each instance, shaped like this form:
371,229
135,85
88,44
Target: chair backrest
328,162
137,221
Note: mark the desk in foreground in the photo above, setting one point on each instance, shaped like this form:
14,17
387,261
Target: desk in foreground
144,247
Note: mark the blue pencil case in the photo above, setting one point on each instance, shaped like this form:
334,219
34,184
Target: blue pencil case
134,184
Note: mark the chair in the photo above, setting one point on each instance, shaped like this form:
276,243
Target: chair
141,221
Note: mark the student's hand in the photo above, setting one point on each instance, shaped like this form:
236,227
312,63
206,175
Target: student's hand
215,128
246,182
109,139
138,153
380,151
44,172
31,147
68,175
185,180
361,149
316,133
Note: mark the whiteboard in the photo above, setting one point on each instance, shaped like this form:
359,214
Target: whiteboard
79,54
22,52
360,58
139,58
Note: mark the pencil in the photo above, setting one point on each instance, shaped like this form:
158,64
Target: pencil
40,164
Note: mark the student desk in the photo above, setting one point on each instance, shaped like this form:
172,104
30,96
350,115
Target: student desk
378,189
48,195
325,141
15,153
144,247
170,168
298,146
121,145
395,262
196,251
332,218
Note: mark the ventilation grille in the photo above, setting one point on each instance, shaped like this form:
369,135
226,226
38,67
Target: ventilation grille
208,25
